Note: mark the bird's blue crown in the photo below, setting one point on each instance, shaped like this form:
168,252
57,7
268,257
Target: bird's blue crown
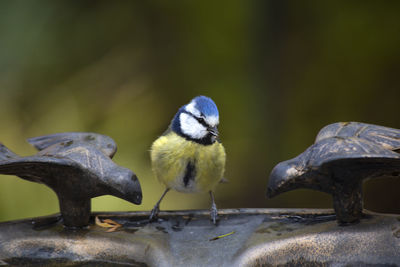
206,106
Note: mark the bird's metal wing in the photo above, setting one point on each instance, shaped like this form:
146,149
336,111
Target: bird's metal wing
6,153
346,148
387,138
353,157
39,169
102,142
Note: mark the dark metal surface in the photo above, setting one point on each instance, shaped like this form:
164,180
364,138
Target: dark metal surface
342,157
258,237
77,167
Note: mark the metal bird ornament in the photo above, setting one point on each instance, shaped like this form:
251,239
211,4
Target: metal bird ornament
342,157
77,167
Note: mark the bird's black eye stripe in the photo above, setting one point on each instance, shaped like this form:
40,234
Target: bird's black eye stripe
201,120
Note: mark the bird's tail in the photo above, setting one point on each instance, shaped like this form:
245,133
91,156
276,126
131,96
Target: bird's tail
6,154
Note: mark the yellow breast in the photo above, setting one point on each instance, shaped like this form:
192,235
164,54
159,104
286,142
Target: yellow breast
171,154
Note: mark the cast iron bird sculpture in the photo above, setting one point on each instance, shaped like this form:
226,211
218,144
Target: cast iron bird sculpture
77,167
342,157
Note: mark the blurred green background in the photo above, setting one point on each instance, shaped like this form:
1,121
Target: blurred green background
278,70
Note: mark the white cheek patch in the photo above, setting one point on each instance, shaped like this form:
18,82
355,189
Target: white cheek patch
191,108
212,120
191,127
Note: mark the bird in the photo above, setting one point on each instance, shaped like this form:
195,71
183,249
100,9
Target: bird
343,156
189,156
77,166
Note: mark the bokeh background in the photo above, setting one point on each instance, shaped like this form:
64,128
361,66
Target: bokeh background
278,70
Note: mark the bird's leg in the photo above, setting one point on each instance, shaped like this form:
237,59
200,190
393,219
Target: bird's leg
213,210
156,208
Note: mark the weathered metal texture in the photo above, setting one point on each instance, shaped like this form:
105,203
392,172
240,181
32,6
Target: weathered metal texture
262,237
77,167
342,157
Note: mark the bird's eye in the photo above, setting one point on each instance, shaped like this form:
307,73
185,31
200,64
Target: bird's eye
201,120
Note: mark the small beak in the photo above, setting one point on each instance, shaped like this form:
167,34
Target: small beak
213,131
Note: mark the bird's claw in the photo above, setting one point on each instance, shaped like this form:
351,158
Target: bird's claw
153,214
214,214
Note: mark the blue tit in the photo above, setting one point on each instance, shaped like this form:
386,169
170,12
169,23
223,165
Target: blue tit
189,156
